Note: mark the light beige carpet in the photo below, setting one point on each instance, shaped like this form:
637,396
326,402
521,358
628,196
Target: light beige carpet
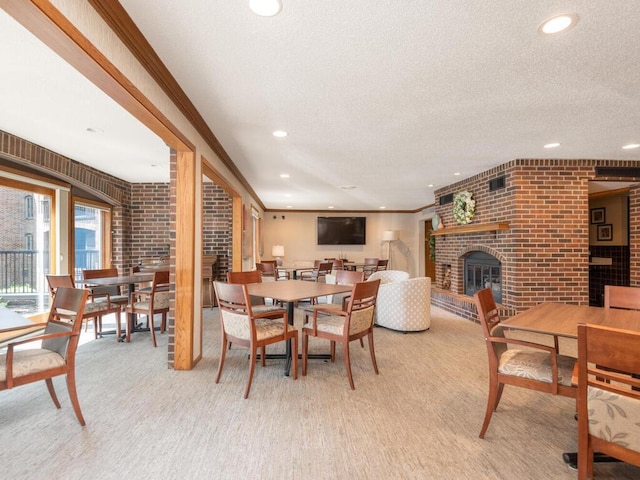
418,419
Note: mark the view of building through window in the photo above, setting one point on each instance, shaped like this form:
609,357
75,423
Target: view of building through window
24,250
88,238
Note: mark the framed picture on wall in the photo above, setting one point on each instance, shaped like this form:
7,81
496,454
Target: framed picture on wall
605,232
598,215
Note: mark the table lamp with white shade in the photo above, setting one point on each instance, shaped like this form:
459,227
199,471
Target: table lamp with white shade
277,252
389,236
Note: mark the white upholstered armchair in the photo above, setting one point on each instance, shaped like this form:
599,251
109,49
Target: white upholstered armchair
404,303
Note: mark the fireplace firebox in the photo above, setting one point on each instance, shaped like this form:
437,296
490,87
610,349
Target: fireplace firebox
482,270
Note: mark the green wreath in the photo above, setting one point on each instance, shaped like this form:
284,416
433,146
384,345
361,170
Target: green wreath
464,207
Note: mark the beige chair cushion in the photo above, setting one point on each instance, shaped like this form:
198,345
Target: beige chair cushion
160,302
237,325
334,324
535,365
614,418
30,361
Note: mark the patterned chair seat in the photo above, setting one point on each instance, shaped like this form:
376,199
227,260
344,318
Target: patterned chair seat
535,366
30,361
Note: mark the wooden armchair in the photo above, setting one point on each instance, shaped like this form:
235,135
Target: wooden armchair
97,306
344,326
113,291
318,273
240,324
370,266
537,367
269,269
150,303
608,395
57,353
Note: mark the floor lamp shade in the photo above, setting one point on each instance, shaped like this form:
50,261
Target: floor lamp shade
389,236
277,251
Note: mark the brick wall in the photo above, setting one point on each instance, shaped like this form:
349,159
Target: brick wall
150,220
110,189
545,252
217,217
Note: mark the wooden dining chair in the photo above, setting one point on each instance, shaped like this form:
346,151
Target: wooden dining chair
150,303
627,298
241,325
608,395
57,352
370,266
533,365
318,273
344,326
97,305
269,269
115,295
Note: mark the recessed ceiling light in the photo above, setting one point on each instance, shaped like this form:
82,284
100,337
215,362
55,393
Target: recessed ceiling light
457,173
559,23
288,195
348,187
284,175
330,207
631,146
289,206
280,133
95,130
430,185
552,145
265,8
382,208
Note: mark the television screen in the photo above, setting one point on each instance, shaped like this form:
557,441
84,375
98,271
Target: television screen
342,230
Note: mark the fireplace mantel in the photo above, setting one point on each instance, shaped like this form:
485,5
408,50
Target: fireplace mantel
479,227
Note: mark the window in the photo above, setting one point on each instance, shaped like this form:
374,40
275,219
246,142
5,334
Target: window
92,236
28,206
28,241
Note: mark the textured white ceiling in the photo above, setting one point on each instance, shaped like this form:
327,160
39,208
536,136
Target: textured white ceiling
391,96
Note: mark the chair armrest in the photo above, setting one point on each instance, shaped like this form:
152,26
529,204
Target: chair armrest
523,343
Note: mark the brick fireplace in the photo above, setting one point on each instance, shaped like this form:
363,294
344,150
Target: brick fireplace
535,224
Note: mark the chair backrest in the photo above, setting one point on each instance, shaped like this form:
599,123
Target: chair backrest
267,268
608,397
361,307
382,265
338,264
235,309
389,276
244,278
160,281
65,315
490,322
102,273
349,277
57,281
627,298
323,269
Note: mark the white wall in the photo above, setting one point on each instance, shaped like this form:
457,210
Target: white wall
297,232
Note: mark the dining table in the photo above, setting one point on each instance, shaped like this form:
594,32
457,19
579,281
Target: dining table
121,280
562,320
290,292
14,326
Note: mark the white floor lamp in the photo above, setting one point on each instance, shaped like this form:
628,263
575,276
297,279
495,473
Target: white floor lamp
389,236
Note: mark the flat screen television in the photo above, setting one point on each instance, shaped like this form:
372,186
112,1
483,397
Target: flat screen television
342,230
